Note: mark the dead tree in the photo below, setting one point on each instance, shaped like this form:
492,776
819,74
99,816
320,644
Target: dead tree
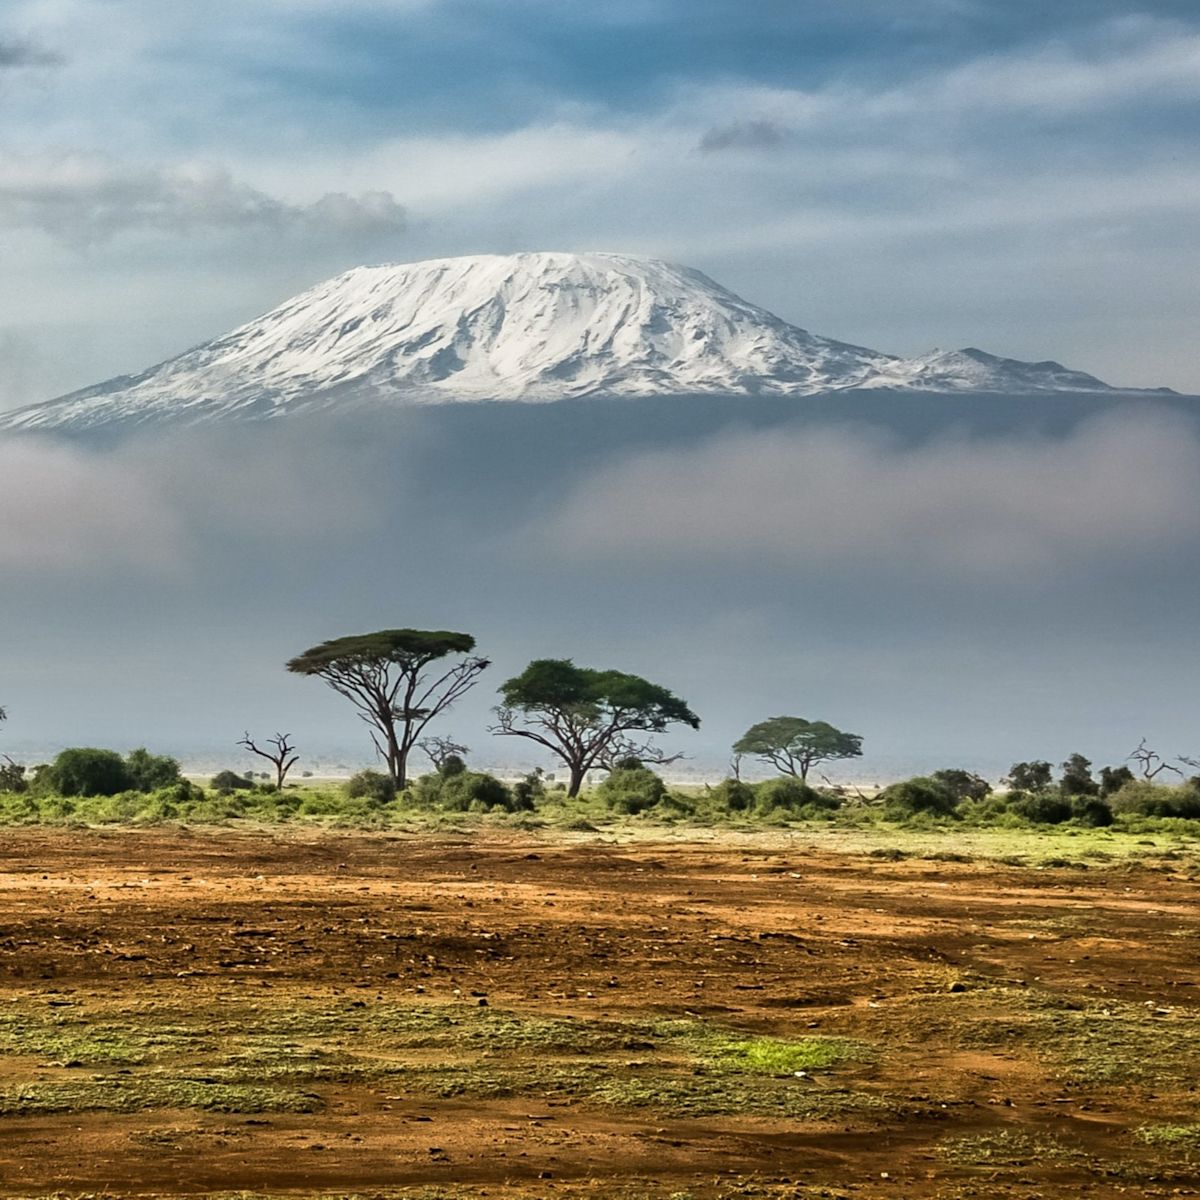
439,749
280,753
1150,762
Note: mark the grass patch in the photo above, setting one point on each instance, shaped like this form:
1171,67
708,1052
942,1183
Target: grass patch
1173,1137
269,1058
777,1056
1007,1148
132,1094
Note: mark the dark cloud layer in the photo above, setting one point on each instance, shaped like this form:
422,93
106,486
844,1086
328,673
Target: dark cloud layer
14,54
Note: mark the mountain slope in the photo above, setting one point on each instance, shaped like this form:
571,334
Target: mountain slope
527,327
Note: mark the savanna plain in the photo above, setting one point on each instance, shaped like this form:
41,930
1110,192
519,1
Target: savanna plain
488,1005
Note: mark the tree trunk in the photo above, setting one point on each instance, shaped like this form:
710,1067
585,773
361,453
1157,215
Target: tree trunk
577,774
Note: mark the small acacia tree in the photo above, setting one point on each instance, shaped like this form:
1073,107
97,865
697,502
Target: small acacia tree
588,718
387,677
794,745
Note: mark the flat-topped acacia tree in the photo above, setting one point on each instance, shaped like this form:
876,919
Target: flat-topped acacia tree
794,745
588,718
387,677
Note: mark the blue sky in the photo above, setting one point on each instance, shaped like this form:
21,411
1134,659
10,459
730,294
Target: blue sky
1016,175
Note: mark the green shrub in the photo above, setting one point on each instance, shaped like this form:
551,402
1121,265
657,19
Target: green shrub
12,777
529,791
1077,777
150,772
631,789
229,781
788,795
962,785
371,785
452,764
1145,799
732,795
473,791
1042,808
921,794
1113,779
1029,776
86,771
1091,810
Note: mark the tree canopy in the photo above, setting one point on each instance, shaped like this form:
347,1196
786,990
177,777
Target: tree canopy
588,718
385,676
793,745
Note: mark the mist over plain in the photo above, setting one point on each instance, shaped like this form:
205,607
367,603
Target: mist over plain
960,580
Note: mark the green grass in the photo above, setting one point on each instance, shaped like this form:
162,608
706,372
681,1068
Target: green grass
261,1057
1007,1148
1174,1137
126,1094
776,1056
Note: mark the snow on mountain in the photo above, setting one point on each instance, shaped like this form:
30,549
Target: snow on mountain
974,370
526,327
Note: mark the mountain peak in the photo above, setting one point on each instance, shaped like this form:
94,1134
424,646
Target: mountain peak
533,327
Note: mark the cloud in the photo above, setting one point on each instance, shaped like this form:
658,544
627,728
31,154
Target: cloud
66,512
14,54
754,134
163,507
85,200
1120,489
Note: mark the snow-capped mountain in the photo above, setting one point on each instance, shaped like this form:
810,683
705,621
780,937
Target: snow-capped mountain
526,327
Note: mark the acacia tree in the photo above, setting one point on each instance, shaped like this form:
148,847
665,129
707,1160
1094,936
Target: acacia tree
793,745
386,676
586,717
279,752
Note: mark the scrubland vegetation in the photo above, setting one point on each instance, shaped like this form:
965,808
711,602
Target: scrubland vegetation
87,786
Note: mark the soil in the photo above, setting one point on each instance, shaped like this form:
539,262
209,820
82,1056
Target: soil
956,975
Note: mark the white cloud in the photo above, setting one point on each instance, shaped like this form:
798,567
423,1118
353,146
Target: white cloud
1000,510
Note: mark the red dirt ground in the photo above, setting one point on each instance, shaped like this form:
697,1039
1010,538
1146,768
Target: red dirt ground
773,935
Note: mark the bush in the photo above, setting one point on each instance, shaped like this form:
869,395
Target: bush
1029,776
529,791
1077,777
12,777
920,794
1091,810
791,795
962,785
472,791
631,789
1042,808
86,771
150,772
371,785
1113,779
229,781
732,795
452,765
1144,799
